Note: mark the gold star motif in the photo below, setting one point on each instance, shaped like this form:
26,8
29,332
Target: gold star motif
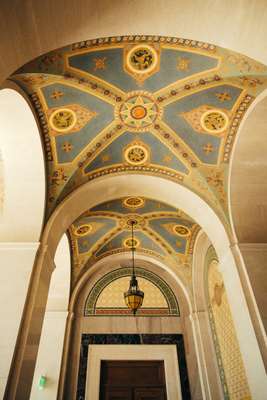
138,113
100,63
167,159
223,96
183,64
67,147
208,148
105,157
56,94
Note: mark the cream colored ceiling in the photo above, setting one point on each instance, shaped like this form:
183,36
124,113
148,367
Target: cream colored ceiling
30,28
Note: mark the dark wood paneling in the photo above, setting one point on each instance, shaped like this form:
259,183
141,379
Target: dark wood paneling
132,380
162,339
130,373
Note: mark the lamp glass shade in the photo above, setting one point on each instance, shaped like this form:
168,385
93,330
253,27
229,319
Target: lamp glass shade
133,297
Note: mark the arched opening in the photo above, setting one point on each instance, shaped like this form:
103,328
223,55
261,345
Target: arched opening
159,126
91,194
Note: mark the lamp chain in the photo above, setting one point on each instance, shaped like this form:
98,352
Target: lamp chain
133,247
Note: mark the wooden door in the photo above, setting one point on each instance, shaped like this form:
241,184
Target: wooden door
132,380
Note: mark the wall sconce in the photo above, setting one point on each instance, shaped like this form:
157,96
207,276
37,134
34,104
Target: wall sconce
42,382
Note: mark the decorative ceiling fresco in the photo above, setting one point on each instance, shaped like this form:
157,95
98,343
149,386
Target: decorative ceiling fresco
160,231
141,104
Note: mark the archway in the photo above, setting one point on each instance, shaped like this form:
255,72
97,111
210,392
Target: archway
178,196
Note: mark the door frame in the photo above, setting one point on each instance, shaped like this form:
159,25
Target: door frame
166,353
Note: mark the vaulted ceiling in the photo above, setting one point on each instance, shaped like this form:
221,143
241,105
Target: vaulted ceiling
152,105
160,231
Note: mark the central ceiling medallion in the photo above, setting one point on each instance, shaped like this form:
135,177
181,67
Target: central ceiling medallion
139,111
83,230
129,243
135,220
181,230
141,61
134,202
136,154
63,120
214,121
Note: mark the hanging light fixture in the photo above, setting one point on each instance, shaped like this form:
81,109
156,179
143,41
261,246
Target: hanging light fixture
133,297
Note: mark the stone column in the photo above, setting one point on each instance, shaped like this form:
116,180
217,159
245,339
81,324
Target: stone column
17,261
249,347
251,263
23,364
206,357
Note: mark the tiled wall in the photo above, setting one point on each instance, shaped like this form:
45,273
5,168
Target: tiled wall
230,362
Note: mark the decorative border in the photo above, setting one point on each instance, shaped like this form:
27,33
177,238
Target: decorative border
90,303
238,117
89,339
210,256
145,38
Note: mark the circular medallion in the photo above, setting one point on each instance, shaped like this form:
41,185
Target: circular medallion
83,230
136,154
129,242
134,202
141,59
181,230
214,121
137,220
63,119
138,112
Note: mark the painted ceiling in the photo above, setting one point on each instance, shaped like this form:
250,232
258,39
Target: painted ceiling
142,104
160,231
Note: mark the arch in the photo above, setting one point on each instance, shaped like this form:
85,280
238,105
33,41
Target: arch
107,279
178,196
96,271
247,176
141,325
23,170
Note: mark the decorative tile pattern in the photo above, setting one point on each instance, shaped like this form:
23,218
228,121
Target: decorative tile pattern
232,372
107,294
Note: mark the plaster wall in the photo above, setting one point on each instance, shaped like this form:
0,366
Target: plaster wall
49,355
254,255
23,170
53,331
16,261
239,25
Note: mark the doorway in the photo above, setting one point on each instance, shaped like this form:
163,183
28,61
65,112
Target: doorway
132,380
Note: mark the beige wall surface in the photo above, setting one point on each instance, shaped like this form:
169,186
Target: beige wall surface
31,28
16,266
